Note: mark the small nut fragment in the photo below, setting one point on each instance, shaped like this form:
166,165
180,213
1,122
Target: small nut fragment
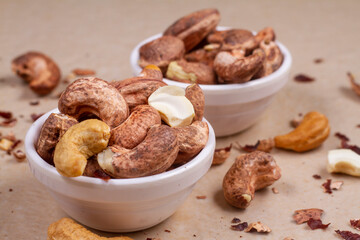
196,96
133,131
202,56
6,144
231,69
221,154
161,52
39,70
250,172
67,229
174,108
80,142
19,155
344,161
51,131
258,227
153,155
194,27
354,85
191,139
89,97
151,71
190,72
310,134
303,215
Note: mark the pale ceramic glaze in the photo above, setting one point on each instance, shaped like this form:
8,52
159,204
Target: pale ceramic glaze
231,108
119,205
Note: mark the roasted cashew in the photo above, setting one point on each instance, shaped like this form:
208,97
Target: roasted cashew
231,69
196,96
161,52
86,97
133,131
273,59
40,71
267,34
249,173
194,27
80,142
311,133
151,71
190,72
52,130
153,155
192,139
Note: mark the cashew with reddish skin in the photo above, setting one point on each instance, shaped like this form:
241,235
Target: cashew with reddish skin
151,71
80,142
133,131
40,71
192,139
231,69
273,59
52,130
196,96
266,34
161,52
194,27
202,56
93,96
249,173
153,155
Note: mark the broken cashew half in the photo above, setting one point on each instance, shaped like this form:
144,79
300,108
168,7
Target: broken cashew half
249,173
89,97
40,71
80,142
153,155
344,161
196,96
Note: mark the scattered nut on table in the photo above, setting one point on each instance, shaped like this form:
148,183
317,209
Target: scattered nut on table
344,161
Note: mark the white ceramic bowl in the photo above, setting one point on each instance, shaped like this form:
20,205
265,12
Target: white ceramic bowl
119,205
231,108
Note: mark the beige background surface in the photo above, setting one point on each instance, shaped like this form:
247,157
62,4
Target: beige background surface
100,35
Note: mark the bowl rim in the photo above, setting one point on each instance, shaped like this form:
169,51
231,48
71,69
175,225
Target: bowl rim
134,57
49,170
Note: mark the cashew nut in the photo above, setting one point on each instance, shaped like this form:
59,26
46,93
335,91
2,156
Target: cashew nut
249,173
273,59
192,139
196,96
153,155
203,55
311,133
344,161
52,130
133,131
267,34
80,142
231,69
152,72
174,108
194,27
161,52
87,97
190,72
40,71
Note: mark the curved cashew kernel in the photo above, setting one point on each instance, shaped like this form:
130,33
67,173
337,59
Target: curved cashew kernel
231,69
344,161
194,27
249,173
93,96
161,52
202,56
190,72
273,59
196,96
52,130
153,155
192,139
174,108
133,131
80,142
67,229
40,71
151,71
234,39
266,34
311,133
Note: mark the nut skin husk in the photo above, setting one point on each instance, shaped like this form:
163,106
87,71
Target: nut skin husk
249,173
311,133
52,130
133,131
86,97
156,153
196,96
80,142
194,27
39,70
161,52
